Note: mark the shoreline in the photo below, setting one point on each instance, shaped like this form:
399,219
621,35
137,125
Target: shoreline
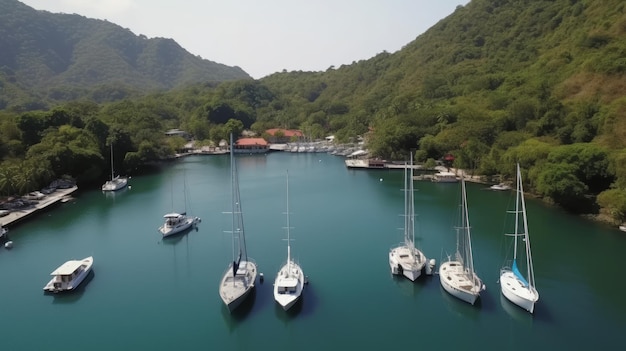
50,199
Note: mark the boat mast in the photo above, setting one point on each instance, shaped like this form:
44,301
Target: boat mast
468,260
233,196
529,260
288,231
517,200
112,175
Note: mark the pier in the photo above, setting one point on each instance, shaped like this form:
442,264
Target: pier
49,200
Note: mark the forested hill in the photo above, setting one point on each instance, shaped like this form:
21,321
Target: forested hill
540,82
63,56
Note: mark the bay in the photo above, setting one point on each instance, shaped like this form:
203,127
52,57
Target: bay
149,293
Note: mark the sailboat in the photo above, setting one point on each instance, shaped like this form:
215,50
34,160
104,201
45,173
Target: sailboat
406,259
240,276
289,282
457,275
516,286
178,222
116,182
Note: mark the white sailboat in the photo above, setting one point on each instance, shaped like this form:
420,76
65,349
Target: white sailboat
457,275
289,282
405,259
516,286
116,182
240,276
178,222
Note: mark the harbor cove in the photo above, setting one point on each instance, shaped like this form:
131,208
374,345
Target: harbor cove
147,292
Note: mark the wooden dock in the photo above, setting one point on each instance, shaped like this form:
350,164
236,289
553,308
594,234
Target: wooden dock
50,199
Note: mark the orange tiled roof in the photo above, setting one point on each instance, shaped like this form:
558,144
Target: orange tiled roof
287,132
251,141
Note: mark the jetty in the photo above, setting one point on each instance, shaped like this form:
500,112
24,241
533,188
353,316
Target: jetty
18,214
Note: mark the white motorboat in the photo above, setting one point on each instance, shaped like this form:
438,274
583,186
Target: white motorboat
116,182
500,187
177,222
457,275
516,286
240,276
405,259
69,275
289,282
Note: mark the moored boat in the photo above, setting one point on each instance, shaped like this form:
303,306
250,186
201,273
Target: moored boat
177,222
289,282
518,287
240,276
69,275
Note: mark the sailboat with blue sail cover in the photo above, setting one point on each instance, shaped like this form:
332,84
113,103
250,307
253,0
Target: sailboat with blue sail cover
519,286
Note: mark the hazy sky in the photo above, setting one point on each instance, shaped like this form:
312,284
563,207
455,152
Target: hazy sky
267,36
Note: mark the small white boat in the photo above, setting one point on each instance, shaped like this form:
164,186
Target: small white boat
622,227
176,223
289,282
116,182
500,187
516,286
405,259
69,275
8,244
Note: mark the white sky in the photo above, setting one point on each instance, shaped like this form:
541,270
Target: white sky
267,36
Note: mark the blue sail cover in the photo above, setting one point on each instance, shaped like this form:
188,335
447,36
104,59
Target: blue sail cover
518,274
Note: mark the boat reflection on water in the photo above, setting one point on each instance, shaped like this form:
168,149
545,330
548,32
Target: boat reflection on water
238,315
515,312
116,194
461,308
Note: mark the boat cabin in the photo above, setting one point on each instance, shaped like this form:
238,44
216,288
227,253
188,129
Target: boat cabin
66,273
173,218
288,286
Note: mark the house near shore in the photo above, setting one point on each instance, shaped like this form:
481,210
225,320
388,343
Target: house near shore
282,136
251,146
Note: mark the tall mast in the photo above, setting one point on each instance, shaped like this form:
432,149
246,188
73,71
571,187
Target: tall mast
233,196
112,175
288,229
468,239
517,200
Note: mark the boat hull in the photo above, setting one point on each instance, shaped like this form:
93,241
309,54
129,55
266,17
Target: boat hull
74,283
455,281
286,298
406,261
115,184
517,292
235,289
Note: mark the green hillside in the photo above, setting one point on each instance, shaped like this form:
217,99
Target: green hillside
59,57
539,82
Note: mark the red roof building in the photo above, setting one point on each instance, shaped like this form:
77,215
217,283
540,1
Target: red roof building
251,145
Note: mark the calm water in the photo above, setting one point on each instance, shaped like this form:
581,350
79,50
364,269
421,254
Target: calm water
148,293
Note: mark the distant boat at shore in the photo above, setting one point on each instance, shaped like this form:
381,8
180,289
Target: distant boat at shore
116,182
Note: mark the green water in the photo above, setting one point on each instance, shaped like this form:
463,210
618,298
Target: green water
150,294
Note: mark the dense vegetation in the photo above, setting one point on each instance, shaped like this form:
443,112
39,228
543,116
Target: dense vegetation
540,82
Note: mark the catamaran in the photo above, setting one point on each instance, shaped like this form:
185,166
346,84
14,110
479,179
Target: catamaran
516,286
289,282
457,275
240,276
405,259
